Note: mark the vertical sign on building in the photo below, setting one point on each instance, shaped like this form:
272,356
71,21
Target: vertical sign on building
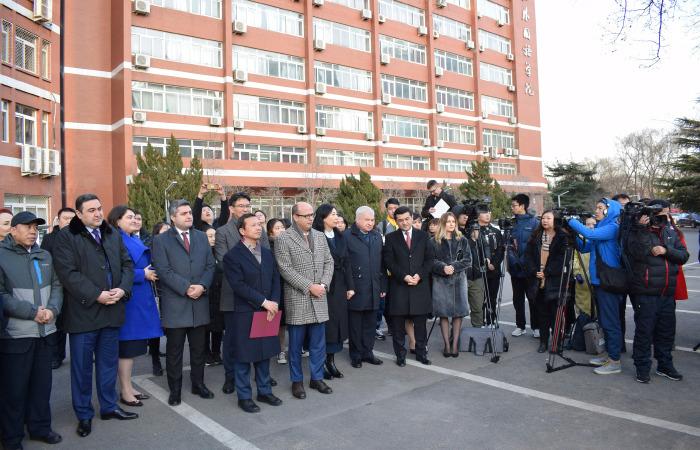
527,48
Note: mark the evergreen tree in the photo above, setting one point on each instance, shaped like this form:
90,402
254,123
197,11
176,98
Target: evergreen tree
684,187
155,173
579,180
355,192
480,184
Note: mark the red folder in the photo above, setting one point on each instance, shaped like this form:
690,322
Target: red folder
262,328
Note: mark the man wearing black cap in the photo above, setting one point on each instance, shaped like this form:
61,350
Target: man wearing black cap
32,298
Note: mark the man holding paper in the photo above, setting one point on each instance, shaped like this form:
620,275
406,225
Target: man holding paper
437,203
252,273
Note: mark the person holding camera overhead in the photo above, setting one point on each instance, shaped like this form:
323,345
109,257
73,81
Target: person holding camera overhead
601,242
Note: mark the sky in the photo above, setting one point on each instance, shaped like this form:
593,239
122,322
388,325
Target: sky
593,92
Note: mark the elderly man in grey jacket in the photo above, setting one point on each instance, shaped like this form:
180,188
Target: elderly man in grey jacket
33,298
306,266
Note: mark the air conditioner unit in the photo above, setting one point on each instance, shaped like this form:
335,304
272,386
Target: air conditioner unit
484,115
440,108
142,7
386,99
369,136
422,30
510,57
319,45
320,88
238,124
439,71
440,144
318,2
513,120
493,152
31,160
436,34
42,11
381,18
141,61
139,116
479,15
508,151
441,3
320,131
426,142
385,59
301,129
470,45
239,27
385,138
511,88
51,163
240,76
366,14
482,48
486,151
515,152
501,22
216,121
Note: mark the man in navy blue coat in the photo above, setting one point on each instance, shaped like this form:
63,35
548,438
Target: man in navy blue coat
251,271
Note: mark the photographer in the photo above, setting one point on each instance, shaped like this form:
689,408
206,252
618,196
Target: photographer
602,243
656,254
493,241
204,214
476,284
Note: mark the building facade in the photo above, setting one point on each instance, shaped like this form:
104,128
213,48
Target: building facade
284,96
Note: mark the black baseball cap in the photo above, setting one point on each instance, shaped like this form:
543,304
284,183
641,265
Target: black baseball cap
25,218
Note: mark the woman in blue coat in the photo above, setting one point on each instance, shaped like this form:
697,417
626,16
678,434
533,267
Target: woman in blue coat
142,320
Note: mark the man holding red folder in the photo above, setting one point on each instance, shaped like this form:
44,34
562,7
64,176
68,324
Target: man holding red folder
252,273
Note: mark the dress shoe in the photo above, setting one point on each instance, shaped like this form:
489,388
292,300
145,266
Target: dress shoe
542,348
51,438
330,364
273,382
445,353
455,355
119,414
401,362
373,360
423,360
326,374
142,396
298,390
412,351
320,386
269,399
174,399
230,386
84,427
248,406
202,391
356,364
135,403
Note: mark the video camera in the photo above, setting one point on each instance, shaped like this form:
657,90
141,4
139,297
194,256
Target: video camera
563,215
471,208
633,211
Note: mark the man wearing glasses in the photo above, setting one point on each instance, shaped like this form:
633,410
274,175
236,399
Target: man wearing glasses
436,194
228,237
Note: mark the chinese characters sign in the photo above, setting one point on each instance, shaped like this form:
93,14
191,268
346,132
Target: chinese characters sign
528,51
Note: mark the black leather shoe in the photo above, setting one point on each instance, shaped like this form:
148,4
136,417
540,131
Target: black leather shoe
229,386
298,390
373,360
135,403
401,362
51,438
119,414
542,348
248,406
356,364
269,399
84,427
445,353
273,382
330,364
326,373
202,391
174,399
423,360
142,396
320,386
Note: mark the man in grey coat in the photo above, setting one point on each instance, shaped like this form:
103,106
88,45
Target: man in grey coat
185,265
306,266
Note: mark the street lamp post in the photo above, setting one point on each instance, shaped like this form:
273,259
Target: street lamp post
167,216
559,198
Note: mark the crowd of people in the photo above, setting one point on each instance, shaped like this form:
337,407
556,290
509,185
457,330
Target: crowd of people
116,290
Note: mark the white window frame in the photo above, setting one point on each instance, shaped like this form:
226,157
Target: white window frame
24,120
5,119
270,18
498,138
500,168
454,165
496,106
187,101
452,28
344,119
189,148
45,59
262,62
405,88
269,153
26,43
461,3
404,50
250,107
496,42
495,74
402,12
343,77
456,133
37,204
45,129
331,157
406,162
493,10
6,50
394,125
176,47
451,61
454,98
353,4
342,35
207,8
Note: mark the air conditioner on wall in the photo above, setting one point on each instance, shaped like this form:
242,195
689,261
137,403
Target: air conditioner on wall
508,151
216,121
384,59
440,144
440,108
441,3
486,151
141,61
439,71
513,120
319,44
369,136
139,116
142,7
470,45
366,14
493,153
386,99
484,115
239,27
318,2
511,88
240,76
381,18
31,160
501,22
386,138
301,129
51,163
320,88
436,34
426,142
42,11
320,131
482,48
422,30
238,124
510,57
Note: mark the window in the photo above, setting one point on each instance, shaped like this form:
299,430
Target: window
176,47
269,110
453,62
400,49
454,165
354,4
496,106
402,126
343,119
25,125
455,98
343,77
36,204
268,153
25,50
404,88
268,17
209,8
326,157
176,99
267,63
456,133
497,74
461,3
5,117
6,50
498,138
401,12
406,162
342,35
189,148
45,130
493,10
452,28
45,59
495,42
497,168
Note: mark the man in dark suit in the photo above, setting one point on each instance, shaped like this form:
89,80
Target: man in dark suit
252,272
97,275
408,256
365,252
436,194
185,265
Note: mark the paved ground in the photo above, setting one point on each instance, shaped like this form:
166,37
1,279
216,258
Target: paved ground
466,402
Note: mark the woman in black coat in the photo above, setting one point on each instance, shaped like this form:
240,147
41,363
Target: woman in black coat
215,329
341,288
544,261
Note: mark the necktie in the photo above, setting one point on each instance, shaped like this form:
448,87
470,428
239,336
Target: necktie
408,239
186,240
96,235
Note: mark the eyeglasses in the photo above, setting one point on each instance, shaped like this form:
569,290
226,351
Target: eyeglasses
306,216
246,205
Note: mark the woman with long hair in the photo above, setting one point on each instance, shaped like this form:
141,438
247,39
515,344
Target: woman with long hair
275,227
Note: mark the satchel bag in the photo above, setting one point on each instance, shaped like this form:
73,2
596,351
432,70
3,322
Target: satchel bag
612,279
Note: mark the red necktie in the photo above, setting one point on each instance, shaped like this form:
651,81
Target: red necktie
408,239
186,240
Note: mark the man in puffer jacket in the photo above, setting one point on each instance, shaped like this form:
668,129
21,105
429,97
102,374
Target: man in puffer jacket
657,253
32,297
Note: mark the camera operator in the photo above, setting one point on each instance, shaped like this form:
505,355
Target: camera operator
475,285
495,248
601,242
657,253
436,194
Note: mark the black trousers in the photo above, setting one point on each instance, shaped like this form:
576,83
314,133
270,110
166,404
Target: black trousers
519,293
655,323
398,334
493,283
25,390
60,349
546,316
174,348
361,328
